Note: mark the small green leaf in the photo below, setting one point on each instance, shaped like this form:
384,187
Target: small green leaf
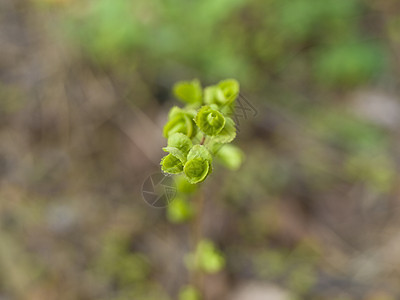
210,121
188,91
198,165
228,133
196,170
171,164
230,156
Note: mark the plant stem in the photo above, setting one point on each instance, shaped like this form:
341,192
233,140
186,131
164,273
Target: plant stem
197,276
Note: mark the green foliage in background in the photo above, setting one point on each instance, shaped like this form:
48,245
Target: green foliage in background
205,258
296,269
365,146
180,210
348,64
339,127
118,262
189,293
128,271
244,39
112,31
376,171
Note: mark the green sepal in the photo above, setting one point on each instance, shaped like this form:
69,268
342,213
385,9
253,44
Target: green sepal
196,170
198,137
179,146
180,121
228,109
198,165
181,142
176,152
223,94
213,95
230,89
228,133
189,92
171,164
174,111
199,151
209,120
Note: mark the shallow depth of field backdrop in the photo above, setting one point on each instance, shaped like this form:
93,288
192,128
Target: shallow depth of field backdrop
85,87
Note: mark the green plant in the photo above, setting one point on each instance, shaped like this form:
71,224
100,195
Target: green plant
198,134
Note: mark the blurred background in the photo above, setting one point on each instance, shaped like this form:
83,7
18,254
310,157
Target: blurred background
85,88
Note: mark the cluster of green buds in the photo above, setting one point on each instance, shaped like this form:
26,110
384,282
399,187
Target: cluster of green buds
201,130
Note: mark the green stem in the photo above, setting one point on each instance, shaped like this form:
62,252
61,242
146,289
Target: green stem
197,276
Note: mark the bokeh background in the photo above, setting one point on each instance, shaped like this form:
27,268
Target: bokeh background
85,88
